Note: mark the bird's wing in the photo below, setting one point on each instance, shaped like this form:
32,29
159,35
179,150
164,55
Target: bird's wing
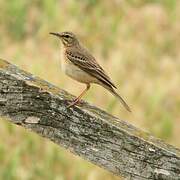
87,63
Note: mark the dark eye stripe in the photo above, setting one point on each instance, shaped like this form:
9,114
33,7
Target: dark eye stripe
66,36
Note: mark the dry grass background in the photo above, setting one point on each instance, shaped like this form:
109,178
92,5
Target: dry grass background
136,41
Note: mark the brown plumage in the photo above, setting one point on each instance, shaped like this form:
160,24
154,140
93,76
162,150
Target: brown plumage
80,65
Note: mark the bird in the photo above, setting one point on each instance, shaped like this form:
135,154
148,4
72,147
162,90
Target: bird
79,64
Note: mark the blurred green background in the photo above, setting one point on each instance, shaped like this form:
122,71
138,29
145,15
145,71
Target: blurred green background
136,41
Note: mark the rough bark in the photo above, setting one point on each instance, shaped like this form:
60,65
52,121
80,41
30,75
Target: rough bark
85,130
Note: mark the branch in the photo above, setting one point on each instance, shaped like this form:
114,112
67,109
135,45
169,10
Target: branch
85,130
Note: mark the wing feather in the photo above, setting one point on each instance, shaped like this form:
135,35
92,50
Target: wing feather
87,63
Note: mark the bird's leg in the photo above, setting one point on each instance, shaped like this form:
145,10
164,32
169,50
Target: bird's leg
76,100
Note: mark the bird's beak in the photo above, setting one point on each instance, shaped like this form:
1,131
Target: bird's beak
56,34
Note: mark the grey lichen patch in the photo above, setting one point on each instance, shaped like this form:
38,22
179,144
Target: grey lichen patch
2,100
32,120
19,76
162,172
152,150
94,149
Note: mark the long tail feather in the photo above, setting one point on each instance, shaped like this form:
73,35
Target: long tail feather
113,92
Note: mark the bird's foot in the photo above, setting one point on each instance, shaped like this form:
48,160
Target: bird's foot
74,102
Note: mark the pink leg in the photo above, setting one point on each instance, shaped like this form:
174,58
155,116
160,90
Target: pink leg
76,101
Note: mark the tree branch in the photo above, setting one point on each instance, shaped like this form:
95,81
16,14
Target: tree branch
85,130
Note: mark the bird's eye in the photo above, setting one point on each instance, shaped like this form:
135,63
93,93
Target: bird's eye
66,36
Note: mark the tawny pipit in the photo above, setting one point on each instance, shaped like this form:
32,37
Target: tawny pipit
80,65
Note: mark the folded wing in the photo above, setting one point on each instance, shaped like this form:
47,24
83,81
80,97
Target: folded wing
87,63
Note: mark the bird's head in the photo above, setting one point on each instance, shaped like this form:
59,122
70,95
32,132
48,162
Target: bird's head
68,38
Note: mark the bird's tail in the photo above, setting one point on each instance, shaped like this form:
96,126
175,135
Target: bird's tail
113,92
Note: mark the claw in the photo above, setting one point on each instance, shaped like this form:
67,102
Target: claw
74,102
78,99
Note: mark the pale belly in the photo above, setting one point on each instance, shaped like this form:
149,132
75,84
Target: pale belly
76,73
